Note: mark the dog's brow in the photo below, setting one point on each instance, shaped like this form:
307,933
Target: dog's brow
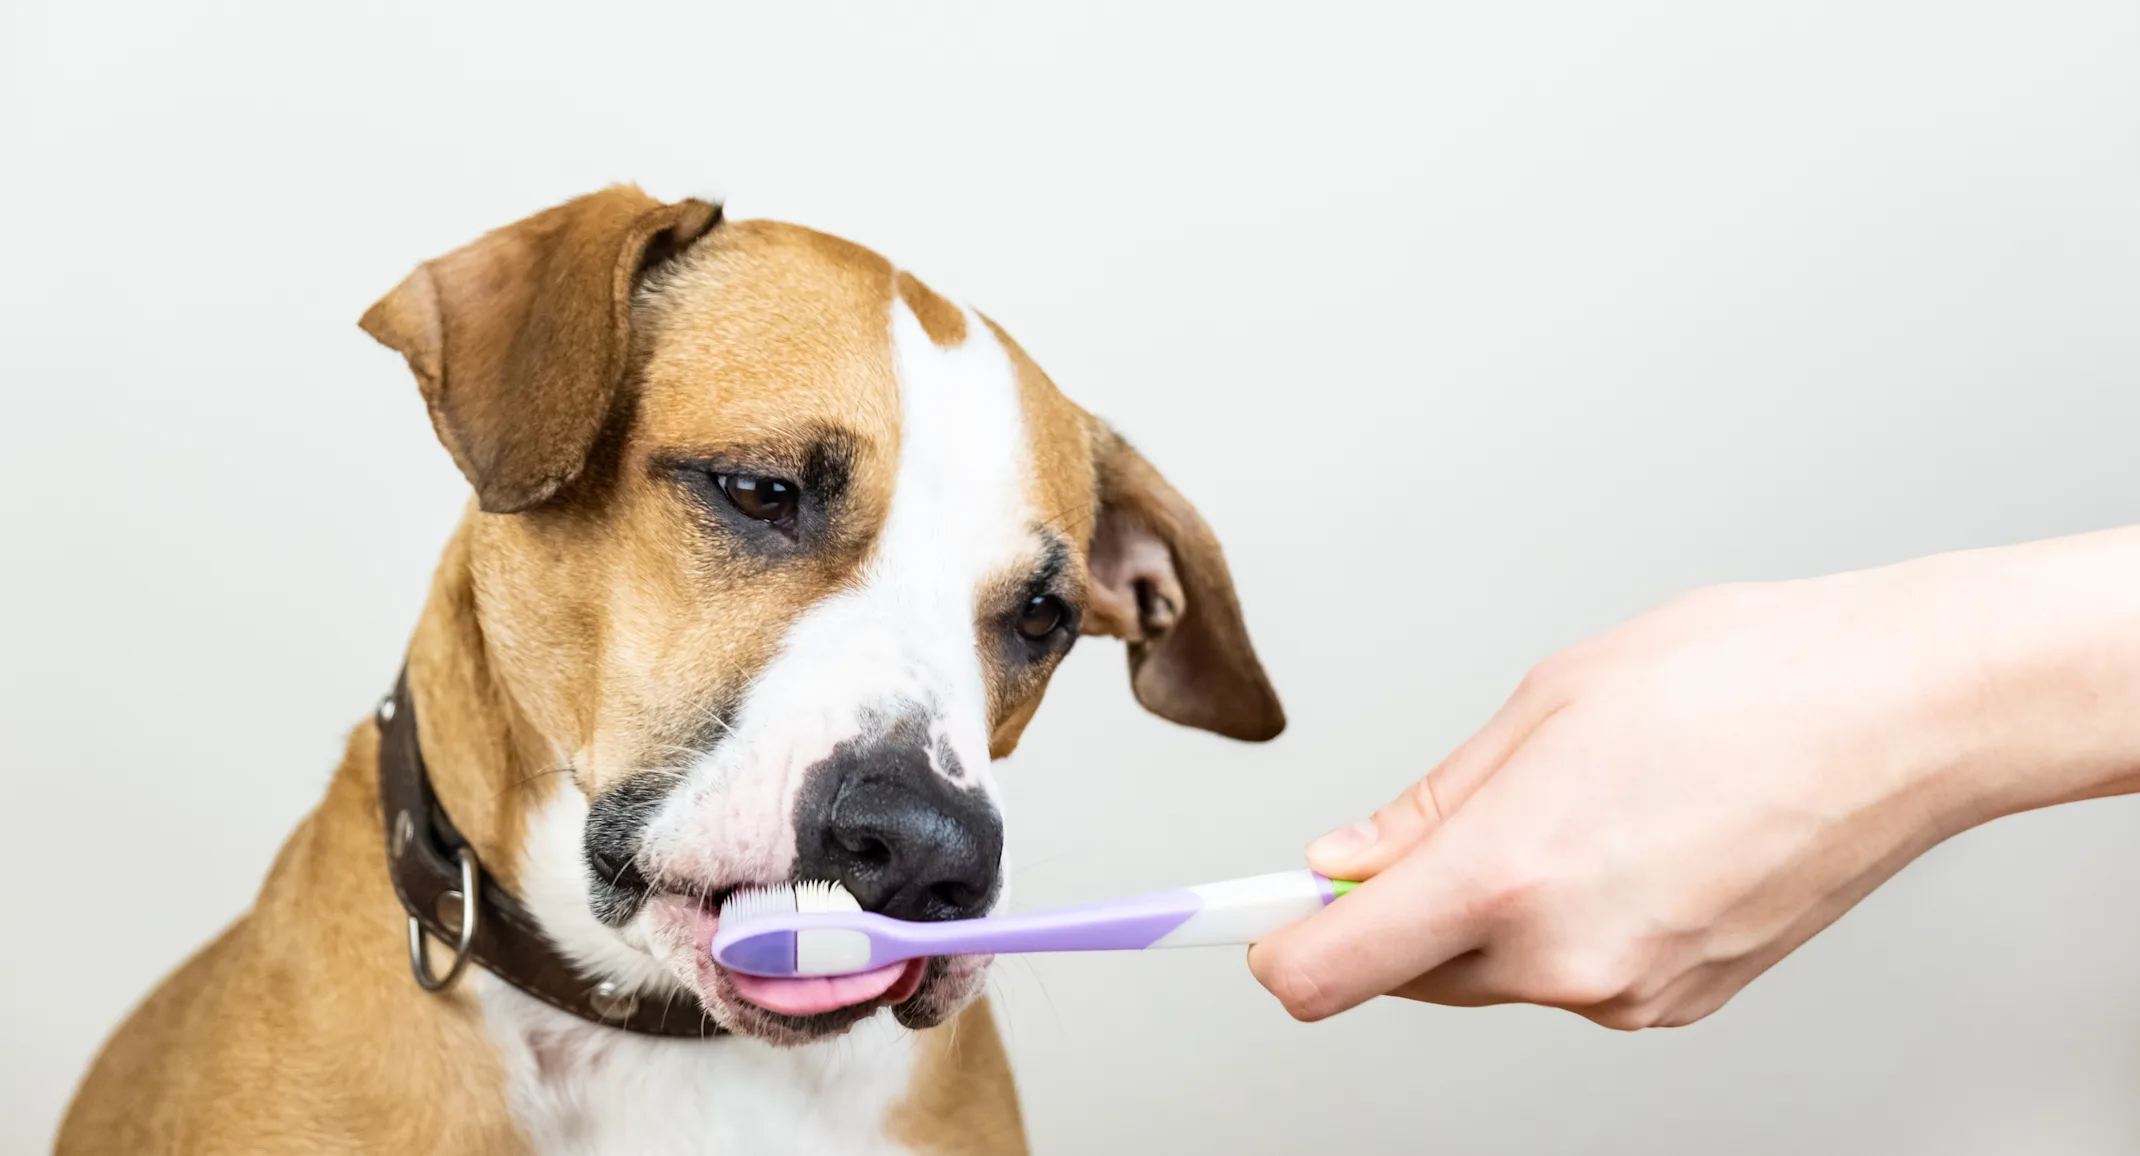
829,465
822,457
1052,572
1058,571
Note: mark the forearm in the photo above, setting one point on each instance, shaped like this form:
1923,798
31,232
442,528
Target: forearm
2045,642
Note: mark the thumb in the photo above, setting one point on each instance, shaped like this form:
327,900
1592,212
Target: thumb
1404,923
1362,850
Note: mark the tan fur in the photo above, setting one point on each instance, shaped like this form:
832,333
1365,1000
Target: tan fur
940,319
963,1102
598,630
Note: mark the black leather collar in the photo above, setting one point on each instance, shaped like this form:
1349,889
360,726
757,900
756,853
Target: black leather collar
428,858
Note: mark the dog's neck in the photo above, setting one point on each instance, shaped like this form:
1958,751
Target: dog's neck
487,765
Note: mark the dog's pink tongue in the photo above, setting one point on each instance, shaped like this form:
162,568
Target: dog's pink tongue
808,997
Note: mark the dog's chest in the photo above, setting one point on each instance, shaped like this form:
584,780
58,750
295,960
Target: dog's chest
583,1090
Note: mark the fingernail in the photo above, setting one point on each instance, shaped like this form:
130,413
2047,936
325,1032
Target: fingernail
1345,842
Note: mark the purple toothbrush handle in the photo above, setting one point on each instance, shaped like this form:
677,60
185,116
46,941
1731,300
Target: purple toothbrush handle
1117,925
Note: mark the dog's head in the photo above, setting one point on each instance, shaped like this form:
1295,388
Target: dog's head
776,551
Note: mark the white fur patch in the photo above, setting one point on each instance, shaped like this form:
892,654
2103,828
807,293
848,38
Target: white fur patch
554,884
579,1089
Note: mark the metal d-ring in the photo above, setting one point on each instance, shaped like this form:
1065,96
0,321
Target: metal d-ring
418,962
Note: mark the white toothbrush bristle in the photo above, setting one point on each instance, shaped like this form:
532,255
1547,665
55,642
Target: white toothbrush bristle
813,895
746,903
806,897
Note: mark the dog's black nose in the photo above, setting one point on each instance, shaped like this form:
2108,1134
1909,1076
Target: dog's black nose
891,825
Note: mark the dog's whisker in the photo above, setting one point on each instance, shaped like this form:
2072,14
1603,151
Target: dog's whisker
689,752
527,780
1040,984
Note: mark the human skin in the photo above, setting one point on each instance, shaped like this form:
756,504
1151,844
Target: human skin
1659,814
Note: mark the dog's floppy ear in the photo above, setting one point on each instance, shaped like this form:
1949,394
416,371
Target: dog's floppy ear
520,340
1159,583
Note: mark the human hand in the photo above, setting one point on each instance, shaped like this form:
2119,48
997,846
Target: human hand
1660,814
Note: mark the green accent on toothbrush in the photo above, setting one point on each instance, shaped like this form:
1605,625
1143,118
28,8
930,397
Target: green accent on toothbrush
1339,887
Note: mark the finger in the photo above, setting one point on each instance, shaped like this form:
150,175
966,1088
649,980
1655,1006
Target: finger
1364,849
1466,981
1409,919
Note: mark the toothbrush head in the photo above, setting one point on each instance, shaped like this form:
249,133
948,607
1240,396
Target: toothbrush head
809,895
790,930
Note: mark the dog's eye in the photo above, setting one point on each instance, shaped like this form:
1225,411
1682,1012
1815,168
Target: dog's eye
766,499
1041,616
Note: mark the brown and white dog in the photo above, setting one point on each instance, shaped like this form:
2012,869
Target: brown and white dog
773,552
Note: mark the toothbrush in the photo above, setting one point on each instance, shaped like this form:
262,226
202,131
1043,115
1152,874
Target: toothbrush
816,928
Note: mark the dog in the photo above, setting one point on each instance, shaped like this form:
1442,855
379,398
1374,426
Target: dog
772,551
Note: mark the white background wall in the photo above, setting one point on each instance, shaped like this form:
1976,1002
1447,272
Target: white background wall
1473,329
